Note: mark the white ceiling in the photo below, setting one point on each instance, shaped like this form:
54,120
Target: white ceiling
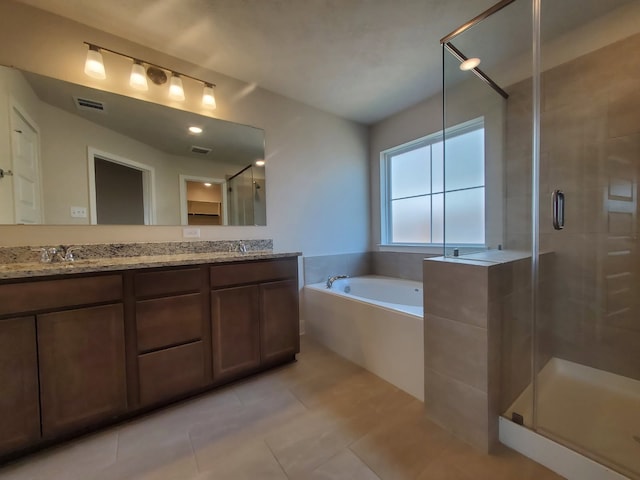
360,59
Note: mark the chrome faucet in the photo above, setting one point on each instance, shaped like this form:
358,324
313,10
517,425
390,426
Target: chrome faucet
56,254
334,278
242,247
66,254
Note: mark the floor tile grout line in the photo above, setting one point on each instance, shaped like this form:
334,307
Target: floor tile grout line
193,452
264,440
364,462
117,446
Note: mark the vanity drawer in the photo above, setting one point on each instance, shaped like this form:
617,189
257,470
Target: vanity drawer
167,282
171,372
253,272
162,322
52,294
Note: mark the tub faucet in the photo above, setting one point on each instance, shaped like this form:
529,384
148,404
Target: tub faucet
334,278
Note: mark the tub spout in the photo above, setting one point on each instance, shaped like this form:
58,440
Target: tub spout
334,278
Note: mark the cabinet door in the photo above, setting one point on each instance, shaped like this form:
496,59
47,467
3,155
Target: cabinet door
280,329
19,407
172,372
82,367
235,314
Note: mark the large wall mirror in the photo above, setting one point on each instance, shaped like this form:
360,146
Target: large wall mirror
75,155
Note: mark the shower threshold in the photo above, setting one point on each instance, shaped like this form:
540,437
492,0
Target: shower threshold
595,413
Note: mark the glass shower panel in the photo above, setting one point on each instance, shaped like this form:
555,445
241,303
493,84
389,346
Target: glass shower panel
474,148
588,328
465,157
490,207
240,198
464,216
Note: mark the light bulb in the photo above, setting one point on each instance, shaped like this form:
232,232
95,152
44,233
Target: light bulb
260,163
208,99
176,92
93,65
195,129
207,184
470,64
138,78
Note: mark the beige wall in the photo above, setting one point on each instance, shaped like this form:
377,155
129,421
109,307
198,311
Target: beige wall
200,193
65,139
308,152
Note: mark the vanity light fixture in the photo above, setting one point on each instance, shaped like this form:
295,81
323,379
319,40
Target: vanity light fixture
138,79
260,163
207,184
94,67
195,130
208,99
176,91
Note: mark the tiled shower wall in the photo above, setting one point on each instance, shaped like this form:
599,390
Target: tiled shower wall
590,149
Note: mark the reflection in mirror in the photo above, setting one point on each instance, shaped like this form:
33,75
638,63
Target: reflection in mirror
245,194
75,155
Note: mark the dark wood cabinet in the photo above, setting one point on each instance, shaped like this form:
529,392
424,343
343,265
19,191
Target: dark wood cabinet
235,316
172,333
254,311
279,331
19,404
82,368
82,350
170,321
171,372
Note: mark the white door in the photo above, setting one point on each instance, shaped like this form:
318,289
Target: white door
26,169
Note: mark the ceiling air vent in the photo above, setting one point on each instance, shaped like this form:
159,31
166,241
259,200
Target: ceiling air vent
89,105
200,150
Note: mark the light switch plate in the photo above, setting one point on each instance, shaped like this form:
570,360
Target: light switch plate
79,212
190,233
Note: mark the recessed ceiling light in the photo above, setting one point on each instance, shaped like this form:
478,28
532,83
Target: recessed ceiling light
195,129
470,64
207,184
260,163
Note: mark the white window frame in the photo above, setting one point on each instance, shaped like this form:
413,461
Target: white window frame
385,187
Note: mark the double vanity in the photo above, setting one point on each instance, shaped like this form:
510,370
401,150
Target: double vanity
87,343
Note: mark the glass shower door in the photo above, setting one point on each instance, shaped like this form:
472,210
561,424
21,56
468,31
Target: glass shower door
563,181
588,318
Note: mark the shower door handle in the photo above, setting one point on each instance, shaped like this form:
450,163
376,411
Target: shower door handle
557,198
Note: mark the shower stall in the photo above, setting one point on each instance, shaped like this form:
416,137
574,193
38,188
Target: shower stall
246,200
557,92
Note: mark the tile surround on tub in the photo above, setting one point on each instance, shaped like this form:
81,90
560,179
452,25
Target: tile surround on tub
399,264
318,268
389,264
26,254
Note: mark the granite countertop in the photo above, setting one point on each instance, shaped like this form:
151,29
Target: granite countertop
92,265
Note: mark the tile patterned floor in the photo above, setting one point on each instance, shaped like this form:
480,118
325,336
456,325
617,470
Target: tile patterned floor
319,418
